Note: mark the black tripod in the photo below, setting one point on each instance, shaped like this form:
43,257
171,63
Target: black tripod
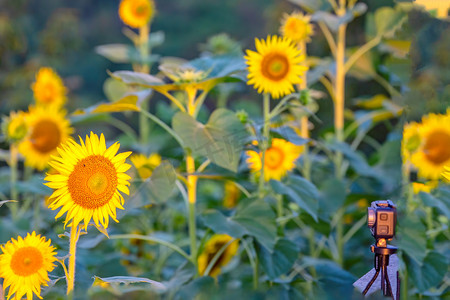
381,262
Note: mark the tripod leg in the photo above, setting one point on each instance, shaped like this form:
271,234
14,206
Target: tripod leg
383,279
388,284
371,282
398,287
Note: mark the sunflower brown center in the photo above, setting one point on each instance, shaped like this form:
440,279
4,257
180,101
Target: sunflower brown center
48,92
141,10
46,136
93,182
275,66
273,158
26,261
437,147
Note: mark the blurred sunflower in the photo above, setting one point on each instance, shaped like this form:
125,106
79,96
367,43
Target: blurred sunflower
25,264
89,180
145,165
275,67
49,88
280,157
15,127
136,13
231,194
212,247
47,129
433,153
410,140
439,7
296,27
446,173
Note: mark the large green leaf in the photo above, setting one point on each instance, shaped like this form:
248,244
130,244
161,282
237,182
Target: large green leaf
430,272
156,189
280,260
313,5
411,238
289,134
256,219
118,282
388,20
121,53
441,203
334,22
301,191
332,196
221,139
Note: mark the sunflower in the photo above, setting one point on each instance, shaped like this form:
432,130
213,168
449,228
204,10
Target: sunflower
49,88
433,153
446,173
280,157
212,247
297,27
410,141
47,129
231,194
275,67
25,264
89,180
145,165
438,7
136,13
426,187
15,127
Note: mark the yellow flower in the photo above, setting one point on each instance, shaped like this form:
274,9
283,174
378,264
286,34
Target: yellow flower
89,180
49,88
212,247
433,153
145,165
47,129
446,173
136,13
15,127
231,194
296,27
441,7
275,67
410,141
280,157
25,264
426,187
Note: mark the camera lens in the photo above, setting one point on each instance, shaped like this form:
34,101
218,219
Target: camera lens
371,215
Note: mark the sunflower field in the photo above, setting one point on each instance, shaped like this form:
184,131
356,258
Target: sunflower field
222,149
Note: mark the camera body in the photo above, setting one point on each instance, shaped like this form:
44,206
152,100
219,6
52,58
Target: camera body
381,219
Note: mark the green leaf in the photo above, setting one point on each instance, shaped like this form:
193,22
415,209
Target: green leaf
255,219
6,201
313,5
221,139
121,53
136,78
114,89
442,204
34,185
301,191
411,238
388,20
280,260
334,22
289,134
201,288
116,281
127,103
332,195
155,189
430,272
220,66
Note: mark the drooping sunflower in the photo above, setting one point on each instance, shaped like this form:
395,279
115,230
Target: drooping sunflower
89,182
14,127
433,153
49,89
212,247
136,13
145,165
47,129
25,264
231,194
276,66
280,157
297,27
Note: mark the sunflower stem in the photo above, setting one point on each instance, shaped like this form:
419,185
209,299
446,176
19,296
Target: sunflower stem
13,179
144,50
265,142
74,235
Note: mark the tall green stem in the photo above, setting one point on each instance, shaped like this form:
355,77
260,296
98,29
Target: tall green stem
265,141
13,179
144,50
